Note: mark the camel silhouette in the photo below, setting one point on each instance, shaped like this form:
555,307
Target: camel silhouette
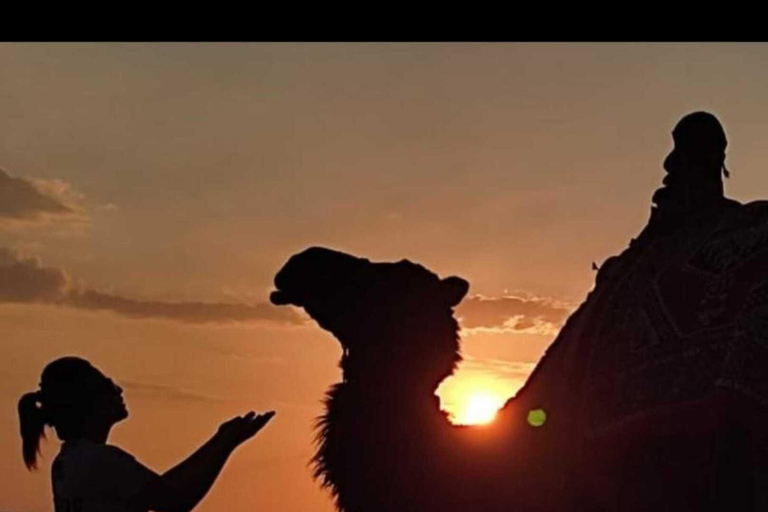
384,443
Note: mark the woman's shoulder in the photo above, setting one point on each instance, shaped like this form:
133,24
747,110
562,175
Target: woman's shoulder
79,447
96,456
95,469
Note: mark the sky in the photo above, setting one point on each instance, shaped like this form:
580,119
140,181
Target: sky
150,192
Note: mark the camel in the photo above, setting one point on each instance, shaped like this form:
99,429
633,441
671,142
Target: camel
384,443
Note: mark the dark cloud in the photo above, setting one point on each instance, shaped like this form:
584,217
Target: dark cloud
191,312
513,314
27,199
25,280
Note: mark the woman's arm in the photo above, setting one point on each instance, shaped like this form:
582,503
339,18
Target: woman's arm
183,486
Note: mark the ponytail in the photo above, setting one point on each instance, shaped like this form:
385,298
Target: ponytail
32,424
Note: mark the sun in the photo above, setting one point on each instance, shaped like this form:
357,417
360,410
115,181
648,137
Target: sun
480,408
478,389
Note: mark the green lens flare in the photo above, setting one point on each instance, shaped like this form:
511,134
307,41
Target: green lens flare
537,417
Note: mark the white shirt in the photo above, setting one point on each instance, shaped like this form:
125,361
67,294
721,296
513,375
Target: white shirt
93,477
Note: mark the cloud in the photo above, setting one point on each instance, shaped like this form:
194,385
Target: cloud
26,280
38,201
135,389
500,368
167,392
512,314
190,312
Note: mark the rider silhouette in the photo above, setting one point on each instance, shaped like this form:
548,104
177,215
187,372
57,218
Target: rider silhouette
694,169
693,185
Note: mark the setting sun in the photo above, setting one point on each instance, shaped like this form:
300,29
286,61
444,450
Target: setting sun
481,408
474,394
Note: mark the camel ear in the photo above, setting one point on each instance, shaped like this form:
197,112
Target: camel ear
453,289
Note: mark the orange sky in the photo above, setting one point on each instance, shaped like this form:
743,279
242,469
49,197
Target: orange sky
155,189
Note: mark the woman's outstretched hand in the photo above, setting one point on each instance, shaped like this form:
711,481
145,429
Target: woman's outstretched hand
182,487
241,428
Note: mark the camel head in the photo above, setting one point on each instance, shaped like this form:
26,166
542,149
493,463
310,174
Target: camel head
394,320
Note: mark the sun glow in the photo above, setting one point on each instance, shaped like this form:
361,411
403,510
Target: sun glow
480,408
475,393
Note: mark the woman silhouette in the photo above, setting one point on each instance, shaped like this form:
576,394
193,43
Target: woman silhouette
82,405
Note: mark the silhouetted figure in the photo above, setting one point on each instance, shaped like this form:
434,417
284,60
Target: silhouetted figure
653,396
695,167
82,405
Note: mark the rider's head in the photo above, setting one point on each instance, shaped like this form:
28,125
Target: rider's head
699,151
